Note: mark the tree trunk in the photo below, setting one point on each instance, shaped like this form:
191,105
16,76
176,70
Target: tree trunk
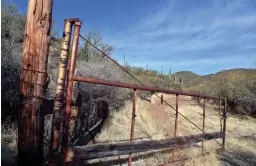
33,80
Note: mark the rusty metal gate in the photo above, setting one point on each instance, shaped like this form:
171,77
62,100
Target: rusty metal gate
61,153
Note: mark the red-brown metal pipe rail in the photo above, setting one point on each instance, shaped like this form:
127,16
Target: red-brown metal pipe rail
138,87
133,123
176,123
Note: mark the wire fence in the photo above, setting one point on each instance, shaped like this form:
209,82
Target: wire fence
105,55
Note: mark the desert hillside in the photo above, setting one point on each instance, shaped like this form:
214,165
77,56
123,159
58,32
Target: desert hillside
191,80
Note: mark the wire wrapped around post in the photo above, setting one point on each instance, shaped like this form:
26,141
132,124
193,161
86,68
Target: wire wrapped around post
133,123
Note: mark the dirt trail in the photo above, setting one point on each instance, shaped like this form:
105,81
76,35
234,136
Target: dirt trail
164,112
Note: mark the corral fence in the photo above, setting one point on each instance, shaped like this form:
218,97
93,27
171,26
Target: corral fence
63,154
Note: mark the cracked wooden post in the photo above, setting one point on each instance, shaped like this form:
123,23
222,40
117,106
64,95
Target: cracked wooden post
59,94
33,82
133,123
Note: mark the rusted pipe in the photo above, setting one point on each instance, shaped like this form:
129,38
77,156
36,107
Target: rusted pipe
220,115
138,87
133,123
72,124
70,87
203,124
176,123
59,94
224,123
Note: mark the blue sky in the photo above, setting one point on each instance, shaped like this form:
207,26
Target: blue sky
203,36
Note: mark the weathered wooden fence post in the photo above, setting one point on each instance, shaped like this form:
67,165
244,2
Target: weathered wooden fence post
33,82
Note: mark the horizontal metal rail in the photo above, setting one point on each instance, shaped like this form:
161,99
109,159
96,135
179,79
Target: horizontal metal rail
139,87
107,150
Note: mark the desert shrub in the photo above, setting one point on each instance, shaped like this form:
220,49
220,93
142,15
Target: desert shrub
12,29
240,94
150,78
88,53
103,70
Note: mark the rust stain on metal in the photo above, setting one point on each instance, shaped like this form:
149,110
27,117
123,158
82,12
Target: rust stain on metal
133,123
70,155
72,123
59,94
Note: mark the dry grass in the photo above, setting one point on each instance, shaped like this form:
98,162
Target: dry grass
118,126
9,138
241,134
240,137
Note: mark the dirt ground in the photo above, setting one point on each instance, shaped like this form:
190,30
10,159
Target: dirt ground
240,135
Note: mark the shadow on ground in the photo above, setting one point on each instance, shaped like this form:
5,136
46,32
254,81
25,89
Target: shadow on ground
238,158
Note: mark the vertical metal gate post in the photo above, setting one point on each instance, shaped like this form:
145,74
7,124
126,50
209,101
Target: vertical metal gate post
133,123
59,94
70,88
224,123
176,123
220,115
203,124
